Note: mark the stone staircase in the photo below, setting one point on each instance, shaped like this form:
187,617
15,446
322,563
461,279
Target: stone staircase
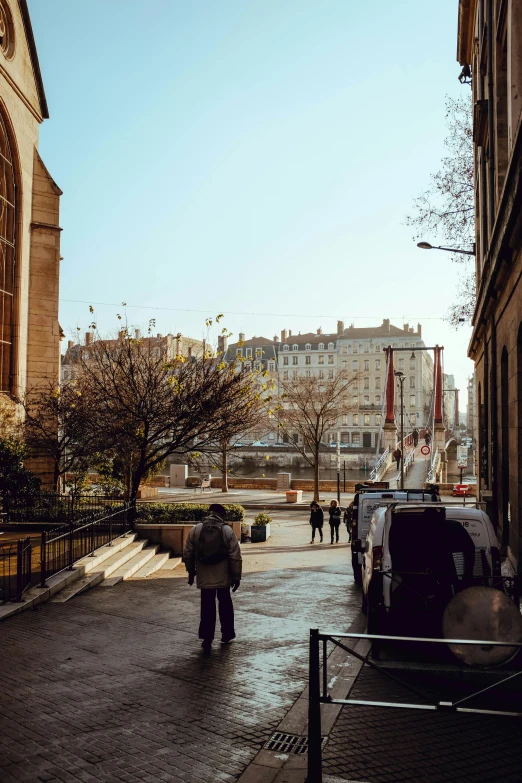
127,557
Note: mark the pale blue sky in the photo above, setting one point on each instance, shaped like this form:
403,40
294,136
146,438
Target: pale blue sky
249,156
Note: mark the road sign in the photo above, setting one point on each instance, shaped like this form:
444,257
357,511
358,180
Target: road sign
425,450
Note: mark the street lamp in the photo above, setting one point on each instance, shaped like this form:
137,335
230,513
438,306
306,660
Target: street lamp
427,246
401,378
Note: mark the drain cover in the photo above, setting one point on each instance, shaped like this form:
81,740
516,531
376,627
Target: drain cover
288,743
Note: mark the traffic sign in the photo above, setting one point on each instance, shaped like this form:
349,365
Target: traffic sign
425,450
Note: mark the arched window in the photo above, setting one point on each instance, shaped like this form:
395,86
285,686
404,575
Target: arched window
321,346
285,347
308,347
295,347
330,346
7,258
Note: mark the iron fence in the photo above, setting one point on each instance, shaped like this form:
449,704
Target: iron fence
15,569
51,507
32,560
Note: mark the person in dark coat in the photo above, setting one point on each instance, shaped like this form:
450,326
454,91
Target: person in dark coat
397,456
415,434
316,520
335,520
214,580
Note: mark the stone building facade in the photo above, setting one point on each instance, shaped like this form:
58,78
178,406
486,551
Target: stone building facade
490,42
29,220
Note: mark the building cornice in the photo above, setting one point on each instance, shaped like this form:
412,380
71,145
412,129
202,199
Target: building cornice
48,226
467,10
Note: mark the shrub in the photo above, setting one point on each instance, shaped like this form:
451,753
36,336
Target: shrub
176,513
262,519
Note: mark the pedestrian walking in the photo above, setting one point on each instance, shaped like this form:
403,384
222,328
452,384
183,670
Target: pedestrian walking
316,520
427,438
348,516
212,556
415,434
335,520
397,456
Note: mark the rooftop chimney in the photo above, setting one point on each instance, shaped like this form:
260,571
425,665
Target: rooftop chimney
386,324
275,338
88,338
159,336
222,344
406,327
289,332
137,334
283,335
340,327
319,331
419,330
241,337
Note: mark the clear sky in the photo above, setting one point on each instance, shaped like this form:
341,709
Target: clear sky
250,157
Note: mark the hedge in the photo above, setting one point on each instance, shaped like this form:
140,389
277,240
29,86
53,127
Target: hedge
176,513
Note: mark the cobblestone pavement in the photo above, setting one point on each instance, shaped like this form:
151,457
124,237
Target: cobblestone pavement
383,745
112,685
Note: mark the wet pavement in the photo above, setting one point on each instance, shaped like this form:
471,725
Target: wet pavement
113,686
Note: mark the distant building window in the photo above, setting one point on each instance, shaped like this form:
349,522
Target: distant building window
366,399
356,437
345,364
285,359
239,352
320,359
271,366
377,383
345,437
330,359
412,364
377,364
377,399
355,364
295,347
321,373
330,374
355,419
248,352
345,348
412,401
366,419
321,346
366,383
295,359
308,360
308,373
285,348
378,418
257,366
285,375
247,365
355,401
367,365
412,381
259,353
330,346
413,420
344,419
355,349
308,347
271,436
366,347
401,364
295,374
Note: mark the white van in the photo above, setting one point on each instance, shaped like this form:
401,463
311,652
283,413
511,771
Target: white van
416,557
365,502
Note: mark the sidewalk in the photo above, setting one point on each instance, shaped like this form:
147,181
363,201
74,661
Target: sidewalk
112,686
246,497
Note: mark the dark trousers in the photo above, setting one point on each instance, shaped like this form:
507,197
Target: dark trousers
320,529
207,625
334,526
398,463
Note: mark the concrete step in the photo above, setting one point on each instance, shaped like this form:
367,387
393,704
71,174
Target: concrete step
154,564
80,586
131,565
106,553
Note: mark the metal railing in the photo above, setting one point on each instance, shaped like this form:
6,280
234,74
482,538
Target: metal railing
52,507
31,561
434,466
383,460
318,686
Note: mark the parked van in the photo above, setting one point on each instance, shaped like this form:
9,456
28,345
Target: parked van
416,557
367,499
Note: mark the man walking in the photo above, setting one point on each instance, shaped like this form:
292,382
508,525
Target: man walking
397,456
213,556
415,434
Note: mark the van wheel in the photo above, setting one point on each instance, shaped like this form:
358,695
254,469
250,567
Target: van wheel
357,570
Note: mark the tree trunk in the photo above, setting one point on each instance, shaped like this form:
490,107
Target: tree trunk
56,477
224,471
316,477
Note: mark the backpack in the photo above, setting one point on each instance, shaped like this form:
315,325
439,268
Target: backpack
212,546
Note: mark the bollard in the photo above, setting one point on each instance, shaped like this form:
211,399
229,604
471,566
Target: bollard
315,764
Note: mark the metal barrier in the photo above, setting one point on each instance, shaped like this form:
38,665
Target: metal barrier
52,507
382,461
15,569
434,466
318,686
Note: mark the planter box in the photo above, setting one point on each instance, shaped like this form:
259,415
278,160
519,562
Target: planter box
294,496
259,533
173,535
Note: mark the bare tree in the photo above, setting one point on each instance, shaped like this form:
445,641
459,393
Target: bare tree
148,406
446,209
58,424
311,407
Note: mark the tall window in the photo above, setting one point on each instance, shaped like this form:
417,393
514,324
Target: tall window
377,364
366,419
295,359
355,364
412,401
367,365
7,257
320,359
330,359
377,383
308,360
366,383
285,359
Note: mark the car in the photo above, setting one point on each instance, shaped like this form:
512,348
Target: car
416,557
259,443
367,499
